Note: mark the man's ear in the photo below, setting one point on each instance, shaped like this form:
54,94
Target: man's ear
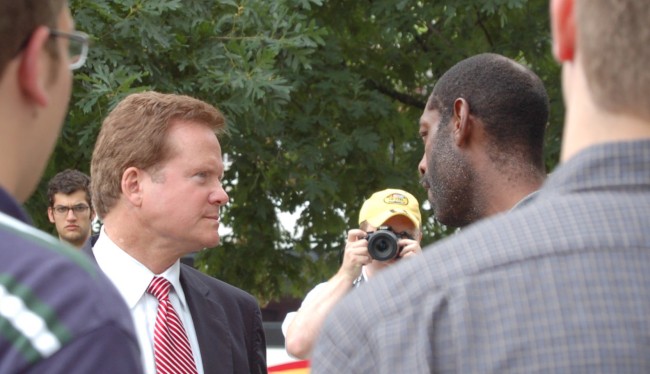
563,29
32,75
418,235
462,125
50,214
132,185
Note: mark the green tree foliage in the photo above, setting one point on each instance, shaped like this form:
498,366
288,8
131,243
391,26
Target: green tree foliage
322,99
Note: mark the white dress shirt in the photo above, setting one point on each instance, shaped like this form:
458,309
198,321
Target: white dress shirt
131,278
311,295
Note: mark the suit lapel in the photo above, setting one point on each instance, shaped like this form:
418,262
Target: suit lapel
211,329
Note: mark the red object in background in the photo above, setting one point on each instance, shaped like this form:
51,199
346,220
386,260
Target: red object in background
296,367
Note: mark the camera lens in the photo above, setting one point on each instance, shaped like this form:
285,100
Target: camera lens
382,245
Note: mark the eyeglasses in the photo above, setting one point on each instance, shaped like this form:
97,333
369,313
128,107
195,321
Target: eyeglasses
77,47
76,209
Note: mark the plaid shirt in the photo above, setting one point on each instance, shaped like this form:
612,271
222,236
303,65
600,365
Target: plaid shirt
561,284
58,314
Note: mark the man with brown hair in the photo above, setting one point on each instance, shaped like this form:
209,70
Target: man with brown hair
157,185
70,209
561,284
58,313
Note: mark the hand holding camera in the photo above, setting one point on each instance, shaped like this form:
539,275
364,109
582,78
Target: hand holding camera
355,254
385,244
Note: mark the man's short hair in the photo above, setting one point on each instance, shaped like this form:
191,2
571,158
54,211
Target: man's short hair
614,38
68,182
18,19
135,135
506,96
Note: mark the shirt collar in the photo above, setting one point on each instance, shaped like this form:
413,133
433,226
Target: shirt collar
527,199
11,207
130,277
172,274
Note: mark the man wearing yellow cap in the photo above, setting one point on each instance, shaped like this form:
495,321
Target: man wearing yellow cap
387,218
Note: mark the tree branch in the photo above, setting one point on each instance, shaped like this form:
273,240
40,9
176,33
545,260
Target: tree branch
399,96
480,24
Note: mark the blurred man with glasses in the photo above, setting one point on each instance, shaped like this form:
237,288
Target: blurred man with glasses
58,313
70,208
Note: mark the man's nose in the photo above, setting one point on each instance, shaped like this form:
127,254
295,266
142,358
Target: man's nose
219,197
422,166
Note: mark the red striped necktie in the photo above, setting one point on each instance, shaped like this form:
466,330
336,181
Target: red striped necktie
171,347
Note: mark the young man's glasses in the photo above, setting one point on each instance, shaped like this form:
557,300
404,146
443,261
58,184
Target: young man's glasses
77,46
76,209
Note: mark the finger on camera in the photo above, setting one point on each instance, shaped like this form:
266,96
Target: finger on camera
409,249
356,234
358,250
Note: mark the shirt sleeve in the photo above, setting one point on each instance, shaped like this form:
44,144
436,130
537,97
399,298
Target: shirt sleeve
291,315
105,350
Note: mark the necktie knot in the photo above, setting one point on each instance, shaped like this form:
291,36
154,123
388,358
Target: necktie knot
159,288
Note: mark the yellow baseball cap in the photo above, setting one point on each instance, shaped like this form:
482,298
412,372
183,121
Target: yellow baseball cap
385,204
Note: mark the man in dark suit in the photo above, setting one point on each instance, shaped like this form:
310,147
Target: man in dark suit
558,285
157,185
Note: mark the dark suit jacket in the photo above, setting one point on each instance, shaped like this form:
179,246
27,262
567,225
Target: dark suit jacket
227,320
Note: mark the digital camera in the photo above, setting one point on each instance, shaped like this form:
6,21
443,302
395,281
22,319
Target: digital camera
382,244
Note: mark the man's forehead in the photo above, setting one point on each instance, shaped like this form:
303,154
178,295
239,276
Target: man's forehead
77,194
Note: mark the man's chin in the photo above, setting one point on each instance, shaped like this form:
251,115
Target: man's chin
75,242
208,244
